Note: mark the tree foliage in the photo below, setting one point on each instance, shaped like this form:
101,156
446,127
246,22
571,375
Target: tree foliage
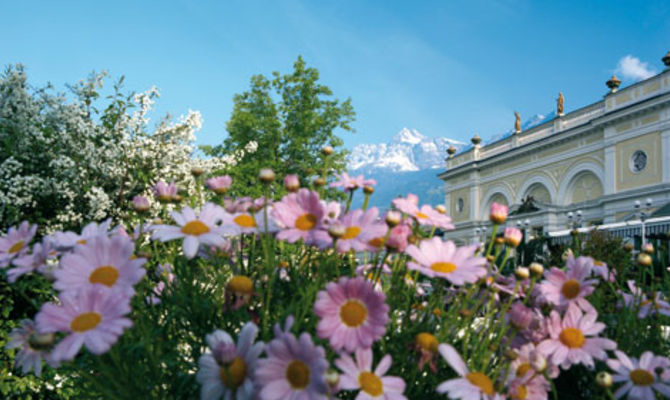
291,117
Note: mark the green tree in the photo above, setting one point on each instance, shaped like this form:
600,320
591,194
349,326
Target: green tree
291,117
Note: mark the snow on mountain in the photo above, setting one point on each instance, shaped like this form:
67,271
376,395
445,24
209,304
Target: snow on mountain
409,150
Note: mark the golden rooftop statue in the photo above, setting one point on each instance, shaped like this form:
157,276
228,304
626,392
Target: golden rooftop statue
559,104
517,123
613,84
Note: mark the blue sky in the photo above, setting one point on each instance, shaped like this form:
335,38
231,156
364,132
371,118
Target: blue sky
446,68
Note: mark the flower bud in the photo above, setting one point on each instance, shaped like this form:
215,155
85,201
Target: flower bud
604,380
537,361
536,269
498,213
520,316
513,236
41,341
141,204
648,248
336,230
465,313
327,150
499,240
318,182
628,246
197,171
441,209
368,189
240,284
522,273
510,354
266,175
292,183
644,259
567,254
177,198
332,379
427,342
219,184
393,218
490,258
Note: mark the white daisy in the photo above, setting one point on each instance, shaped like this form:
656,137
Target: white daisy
195,230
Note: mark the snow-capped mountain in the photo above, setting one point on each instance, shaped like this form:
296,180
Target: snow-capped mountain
409,150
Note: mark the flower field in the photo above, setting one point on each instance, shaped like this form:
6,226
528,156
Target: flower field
199,294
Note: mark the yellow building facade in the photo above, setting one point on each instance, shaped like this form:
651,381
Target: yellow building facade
598,159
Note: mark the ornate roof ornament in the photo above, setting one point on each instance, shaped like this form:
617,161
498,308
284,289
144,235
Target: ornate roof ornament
613,84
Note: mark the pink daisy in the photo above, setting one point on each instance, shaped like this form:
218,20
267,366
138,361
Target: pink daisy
571,286
524,376
333,211
67,240
458,265
358,374
641,377
353,315
638,300
102,260
469,385
408,205
33,347
92,316
352,183
295,368
398,238
360,228
219,184
165,192
427,215
573,340
227,370
300,215
16,243
194,229
37,260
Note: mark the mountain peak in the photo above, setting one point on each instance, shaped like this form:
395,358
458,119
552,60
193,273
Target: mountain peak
410,136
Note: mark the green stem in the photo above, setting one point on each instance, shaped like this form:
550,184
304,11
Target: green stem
494,232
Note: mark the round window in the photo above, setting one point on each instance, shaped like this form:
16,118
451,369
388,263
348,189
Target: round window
638,161
460,205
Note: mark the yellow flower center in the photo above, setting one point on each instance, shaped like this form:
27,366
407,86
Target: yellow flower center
297,374
81,241
370,384
641,377
353,313
572,338
481,381
421,215
106,275
521,392
240,284
16,247
351,232
233,374
306,222
522,369
377,242
245,221
194,228
443,267
85,322
427,342
598,263
570,289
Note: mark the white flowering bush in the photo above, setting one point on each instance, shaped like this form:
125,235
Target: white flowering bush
65,160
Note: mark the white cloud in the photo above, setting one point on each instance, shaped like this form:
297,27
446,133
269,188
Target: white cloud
631,68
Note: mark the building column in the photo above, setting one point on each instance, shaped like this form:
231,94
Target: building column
610,170
665,150
474,197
